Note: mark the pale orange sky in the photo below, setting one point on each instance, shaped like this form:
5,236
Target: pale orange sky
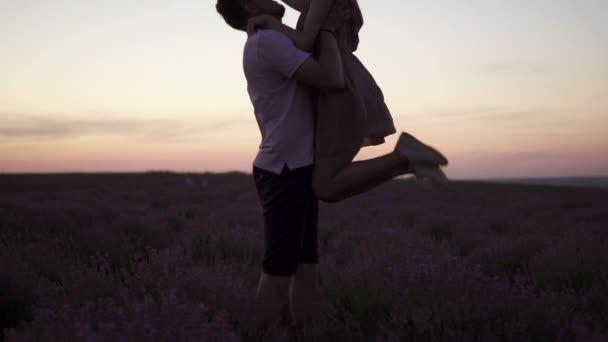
505,89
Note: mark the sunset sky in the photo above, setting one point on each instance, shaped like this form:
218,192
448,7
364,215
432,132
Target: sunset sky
513,88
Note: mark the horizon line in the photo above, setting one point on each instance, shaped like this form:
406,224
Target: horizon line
497,178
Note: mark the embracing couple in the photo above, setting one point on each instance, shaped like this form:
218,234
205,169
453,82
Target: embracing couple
316,106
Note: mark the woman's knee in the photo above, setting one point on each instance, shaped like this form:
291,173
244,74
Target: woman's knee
325,192
326,184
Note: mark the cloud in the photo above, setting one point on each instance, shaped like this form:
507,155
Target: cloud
516,68
14,125
540,155
513,115
492,114
531,156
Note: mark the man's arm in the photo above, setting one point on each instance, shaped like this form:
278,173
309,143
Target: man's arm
317,14
320,16
327,71
298,5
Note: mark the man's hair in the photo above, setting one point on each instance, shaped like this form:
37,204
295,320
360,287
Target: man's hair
233,13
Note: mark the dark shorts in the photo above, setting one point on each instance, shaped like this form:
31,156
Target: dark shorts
291,214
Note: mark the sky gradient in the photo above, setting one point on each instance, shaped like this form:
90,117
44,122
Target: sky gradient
504,88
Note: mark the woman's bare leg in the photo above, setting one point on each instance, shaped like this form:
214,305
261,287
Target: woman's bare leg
338,177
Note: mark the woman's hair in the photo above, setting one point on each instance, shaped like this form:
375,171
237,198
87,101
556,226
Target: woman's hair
233,12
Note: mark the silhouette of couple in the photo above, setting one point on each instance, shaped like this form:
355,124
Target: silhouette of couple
316,106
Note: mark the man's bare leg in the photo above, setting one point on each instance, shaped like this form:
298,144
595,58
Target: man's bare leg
336,178
272,294
303,291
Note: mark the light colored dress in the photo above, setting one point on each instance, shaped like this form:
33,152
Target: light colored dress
356,116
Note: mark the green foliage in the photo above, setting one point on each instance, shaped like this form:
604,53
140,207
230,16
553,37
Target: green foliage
576,280
499,227
328,232
200,246
408,220
213,246
440,232
229,248
189,213
507,266
161,204
15,305
412,333
50,268
363,304
141,235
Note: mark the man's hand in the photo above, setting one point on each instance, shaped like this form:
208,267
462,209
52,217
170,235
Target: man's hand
298,5
263,21
326,72
338,15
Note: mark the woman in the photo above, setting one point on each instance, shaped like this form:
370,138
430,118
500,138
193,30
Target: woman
354,117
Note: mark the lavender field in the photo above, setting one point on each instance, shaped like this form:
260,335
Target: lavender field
172,257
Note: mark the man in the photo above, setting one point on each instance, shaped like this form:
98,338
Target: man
279,76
